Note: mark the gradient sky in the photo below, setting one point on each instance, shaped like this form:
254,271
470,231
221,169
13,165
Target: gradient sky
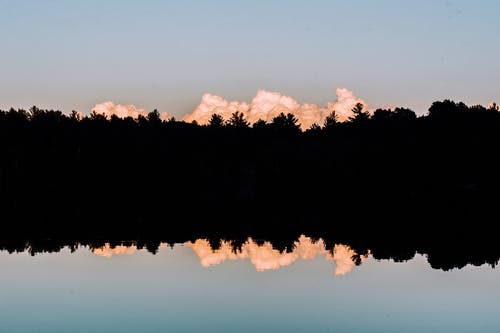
68,55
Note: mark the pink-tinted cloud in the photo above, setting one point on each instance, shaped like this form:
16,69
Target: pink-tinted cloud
122,111
266,105
492,105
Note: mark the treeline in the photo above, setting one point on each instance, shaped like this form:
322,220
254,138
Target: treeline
423,182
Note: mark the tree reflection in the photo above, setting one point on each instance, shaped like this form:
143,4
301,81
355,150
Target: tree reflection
276,252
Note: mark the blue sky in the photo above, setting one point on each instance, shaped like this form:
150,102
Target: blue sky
166,54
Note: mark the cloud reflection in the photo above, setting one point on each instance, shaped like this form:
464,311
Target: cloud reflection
119,250
264,257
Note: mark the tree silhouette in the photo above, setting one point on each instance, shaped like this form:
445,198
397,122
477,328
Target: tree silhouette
237,120
433,173
447,110
141,120
382,115
287,122
97,116
314,128
331,120
75,116
35,112
216,121
404,114
153,117
359,115
260,124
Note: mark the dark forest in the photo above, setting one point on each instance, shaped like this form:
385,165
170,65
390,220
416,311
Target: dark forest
388,181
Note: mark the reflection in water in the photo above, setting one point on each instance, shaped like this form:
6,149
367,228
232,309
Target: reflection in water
120,250
122,287
262,256
265,257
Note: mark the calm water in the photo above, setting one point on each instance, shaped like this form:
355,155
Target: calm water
192,288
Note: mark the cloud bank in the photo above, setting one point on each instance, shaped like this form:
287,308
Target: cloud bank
109,109
266,105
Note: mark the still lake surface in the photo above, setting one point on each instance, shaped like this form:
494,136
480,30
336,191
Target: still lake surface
192,287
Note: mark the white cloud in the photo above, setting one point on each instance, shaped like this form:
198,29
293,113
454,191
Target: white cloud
266,105
122,111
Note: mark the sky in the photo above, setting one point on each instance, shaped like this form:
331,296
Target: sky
72,55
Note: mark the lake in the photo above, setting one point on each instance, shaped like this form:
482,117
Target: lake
193,287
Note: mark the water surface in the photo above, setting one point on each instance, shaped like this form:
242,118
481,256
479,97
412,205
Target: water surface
192,287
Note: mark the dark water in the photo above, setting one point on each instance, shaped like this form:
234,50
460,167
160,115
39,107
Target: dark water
191,287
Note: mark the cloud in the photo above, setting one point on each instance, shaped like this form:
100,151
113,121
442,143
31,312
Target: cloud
492,105
123,111
266,105
265,257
